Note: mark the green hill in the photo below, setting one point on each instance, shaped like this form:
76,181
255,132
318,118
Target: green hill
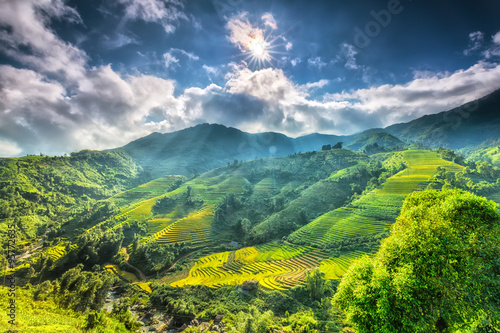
370,138
467,125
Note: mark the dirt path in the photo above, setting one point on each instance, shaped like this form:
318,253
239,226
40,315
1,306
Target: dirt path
141,274
175,263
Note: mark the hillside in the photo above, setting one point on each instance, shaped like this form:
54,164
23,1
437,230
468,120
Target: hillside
39,191
319,243
203,147
372,137
271,220
467,125
197,149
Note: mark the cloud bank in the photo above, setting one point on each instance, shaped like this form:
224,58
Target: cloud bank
58,103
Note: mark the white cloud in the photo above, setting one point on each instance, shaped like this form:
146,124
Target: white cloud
27,29
348,54
319,84
210,70
428,93
496,38
168,13
316,62
295,61
189,55
170,61
476,40
288,46
242,32
118,40
493,50
269,21
9,148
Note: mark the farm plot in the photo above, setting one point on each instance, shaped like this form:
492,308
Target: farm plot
374,212
275,266
146,191
54,252
193,229
334,268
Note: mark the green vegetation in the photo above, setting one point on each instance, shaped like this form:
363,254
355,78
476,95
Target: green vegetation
284,230
46,316
373,212
437,272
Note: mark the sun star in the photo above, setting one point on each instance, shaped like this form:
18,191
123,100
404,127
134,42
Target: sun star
259,49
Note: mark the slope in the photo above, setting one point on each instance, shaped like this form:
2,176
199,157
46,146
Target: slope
469,124
374,212
284,265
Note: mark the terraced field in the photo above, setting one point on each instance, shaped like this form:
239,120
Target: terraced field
55,253
281,266
146,191
376,211
194,229
170,228
275,266
334,268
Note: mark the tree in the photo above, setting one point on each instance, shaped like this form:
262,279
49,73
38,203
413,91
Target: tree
437,272
338,145
315,284
326,147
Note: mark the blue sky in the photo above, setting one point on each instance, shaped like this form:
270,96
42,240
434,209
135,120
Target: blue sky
97,74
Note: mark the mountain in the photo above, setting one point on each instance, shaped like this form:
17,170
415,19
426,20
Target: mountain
371,137
203,147
467,125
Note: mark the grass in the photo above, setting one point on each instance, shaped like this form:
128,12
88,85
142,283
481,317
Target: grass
146,286
374,212
46,316
146,191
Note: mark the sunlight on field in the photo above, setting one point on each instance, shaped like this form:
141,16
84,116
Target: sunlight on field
334,268
194,229
130,277
275,266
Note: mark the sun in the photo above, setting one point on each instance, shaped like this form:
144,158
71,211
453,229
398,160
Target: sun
258,51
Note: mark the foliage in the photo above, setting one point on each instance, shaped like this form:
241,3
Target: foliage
302,322
152,257
97,247
315,284
45,316
164,205
436,272
252,321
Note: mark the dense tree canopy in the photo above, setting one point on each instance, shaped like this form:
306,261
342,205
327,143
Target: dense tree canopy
437,272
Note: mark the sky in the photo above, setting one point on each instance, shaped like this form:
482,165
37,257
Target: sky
97,74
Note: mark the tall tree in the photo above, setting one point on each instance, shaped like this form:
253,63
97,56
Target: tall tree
437,272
